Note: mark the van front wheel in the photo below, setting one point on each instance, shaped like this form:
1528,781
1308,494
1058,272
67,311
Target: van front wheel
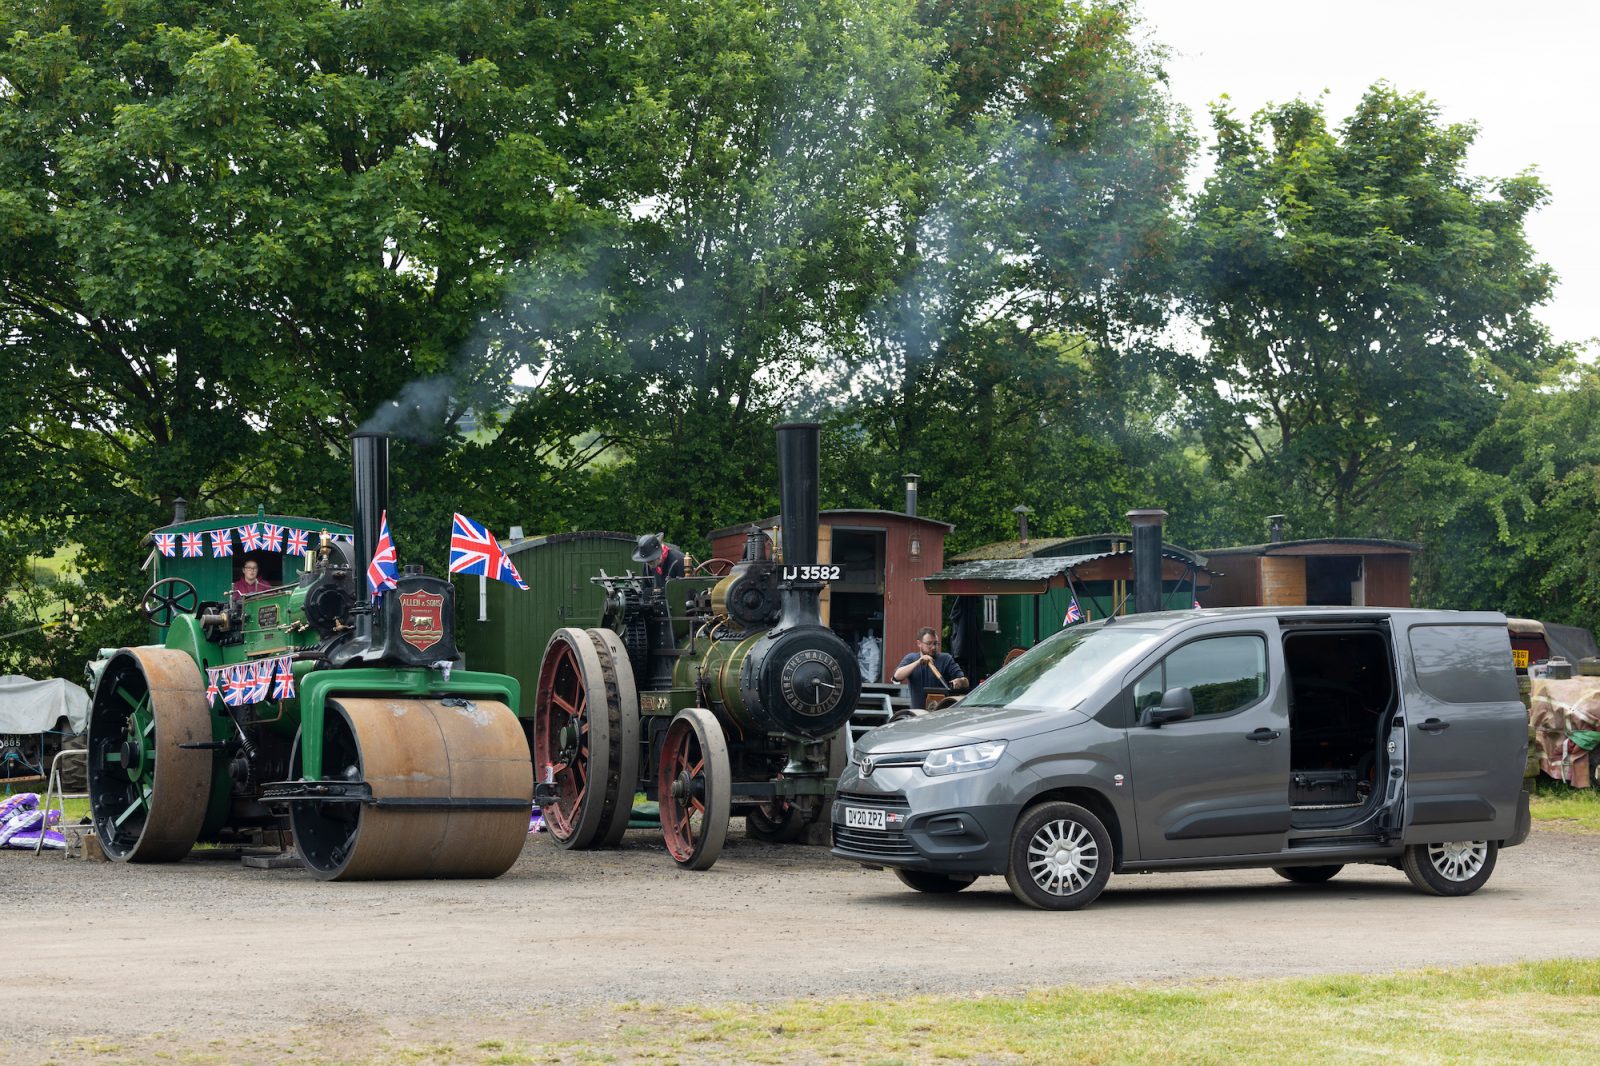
1454,868
1060,857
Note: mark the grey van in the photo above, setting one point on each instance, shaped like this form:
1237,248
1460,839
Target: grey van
1301,739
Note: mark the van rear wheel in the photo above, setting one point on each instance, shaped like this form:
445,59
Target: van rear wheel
1307,875
1453,868
938,884
1060,857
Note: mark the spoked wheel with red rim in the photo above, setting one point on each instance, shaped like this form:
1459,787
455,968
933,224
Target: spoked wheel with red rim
572,740
696,790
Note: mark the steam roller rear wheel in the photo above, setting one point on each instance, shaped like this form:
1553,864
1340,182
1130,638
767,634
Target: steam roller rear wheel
418,756
149,795
574,753
695,789
622,705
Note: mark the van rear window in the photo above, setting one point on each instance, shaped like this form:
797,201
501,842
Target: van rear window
1464,664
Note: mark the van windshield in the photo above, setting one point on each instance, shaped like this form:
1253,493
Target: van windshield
1056,674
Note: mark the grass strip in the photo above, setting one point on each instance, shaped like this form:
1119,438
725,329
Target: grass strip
1529,1013
1559,806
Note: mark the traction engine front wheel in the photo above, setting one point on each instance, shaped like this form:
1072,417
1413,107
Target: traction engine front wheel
696,791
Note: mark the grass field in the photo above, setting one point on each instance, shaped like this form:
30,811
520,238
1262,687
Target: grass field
1532,1013
1559,806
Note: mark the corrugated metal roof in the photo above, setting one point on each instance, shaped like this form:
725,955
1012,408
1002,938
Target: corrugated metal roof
1030,569
1061,547
1289,546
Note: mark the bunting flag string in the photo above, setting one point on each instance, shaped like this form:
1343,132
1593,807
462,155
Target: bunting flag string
257,536
257,681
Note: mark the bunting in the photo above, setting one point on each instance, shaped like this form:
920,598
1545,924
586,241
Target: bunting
256,681
167,543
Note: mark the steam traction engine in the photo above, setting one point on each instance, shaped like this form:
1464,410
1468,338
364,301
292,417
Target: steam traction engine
712,695
388,762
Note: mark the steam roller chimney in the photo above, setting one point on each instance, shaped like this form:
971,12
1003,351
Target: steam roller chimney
369,454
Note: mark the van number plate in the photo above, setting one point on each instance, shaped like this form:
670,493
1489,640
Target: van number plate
862,818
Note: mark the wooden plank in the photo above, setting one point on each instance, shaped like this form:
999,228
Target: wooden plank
1388,580
1283,581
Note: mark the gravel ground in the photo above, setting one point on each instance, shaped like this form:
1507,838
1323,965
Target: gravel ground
205,950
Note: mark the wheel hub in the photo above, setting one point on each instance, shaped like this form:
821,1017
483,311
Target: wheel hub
132,756
1064,859
682,786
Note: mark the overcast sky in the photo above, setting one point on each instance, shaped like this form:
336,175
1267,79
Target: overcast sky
1526,73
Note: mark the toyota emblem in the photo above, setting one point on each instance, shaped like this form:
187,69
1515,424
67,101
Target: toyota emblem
866,766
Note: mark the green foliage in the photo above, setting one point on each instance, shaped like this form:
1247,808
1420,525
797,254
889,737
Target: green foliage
1364,300
1515,529
582,257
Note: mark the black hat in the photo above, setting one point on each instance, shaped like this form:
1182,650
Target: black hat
648,550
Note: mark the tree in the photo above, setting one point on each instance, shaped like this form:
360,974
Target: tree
1031,253
1512,525
231,235
1362,299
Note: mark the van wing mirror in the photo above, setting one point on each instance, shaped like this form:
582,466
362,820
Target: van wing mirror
1177,705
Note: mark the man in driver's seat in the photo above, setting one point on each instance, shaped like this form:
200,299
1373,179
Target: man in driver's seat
250,579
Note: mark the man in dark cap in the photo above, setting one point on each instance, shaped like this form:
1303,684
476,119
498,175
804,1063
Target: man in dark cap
660,559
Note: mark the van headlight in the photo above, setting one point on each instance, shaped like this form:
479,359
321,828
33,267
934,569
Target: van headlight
964,759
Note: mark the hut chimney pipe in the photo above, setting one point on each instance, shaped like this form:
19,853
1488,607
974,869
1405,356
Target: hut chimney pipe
1147,558
911,493
1275,525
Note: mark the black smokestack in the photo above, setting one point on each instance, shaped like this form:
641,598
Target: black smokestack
1275,527
911,493
799,460
1147,559
369,455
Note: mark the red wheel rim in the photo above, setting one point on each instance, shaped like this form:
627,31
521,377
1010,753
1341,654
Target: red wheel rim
683,791
561,738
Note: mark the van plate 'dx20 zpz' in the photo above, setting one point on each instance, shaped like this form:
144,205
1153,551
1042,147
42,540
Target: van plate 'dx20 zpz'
1298,739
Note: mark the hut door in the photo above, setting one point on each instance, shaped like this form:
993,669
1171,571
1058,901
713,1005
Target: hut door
1334,581
856,599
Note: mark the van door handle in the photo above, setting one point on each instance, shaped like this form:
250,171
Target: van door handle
1262,735
1433,725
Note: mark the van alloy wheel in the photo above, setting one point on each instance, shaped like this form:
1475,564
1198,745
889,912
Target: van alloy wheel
1060,857
1450,868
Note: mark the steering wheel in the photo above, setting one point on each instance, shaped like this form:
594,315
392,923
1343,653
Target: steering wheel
168,597
715,567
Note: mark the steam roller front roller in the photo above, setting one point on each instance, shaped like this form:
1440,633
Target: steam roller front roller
147,791
450,787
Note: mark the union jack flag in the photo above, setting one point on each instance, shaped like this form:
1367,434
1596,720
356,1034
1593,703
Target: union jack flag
284,688
473,550
272,537
193,545
167,543
211,684
235,686
221,543
260,680
250,537
1074,613
297,543
382,571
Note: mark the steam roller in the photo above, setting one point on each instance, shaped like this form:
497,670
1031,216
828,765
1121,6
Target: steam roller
309,709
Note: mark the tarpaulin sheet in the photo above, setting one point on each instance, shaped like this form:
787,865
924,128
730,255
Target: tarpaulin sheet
29,706
1559,708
